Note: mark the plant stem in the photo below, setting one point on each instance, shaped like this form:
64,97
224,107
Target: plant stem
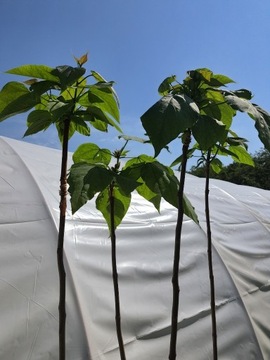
177,246
210,260
60,247
115,278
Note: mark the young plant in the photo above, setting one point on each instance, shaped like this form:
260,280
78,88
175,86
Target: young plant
61,96
231,147
92,173
198,108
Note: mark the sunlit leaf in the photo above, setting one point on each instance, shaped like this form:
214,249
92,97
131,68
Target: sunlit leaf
121,205
82,60
92,153
34,71
165,87
241,155
216,165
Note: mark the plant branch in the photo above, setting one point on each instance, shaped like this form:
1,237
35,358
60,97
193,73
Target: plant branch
60,247
177,246
210,260
115,277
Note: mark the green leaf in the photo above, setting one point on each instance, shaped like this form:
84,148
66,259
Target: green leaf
178,160
35,71
38,120
168,118
79,125
126,183
216,165
189,210
15,98
85,180
121,205
263,127
144,191
91,154
97,76
42,87
165,87
243,105
221,80
161,180
102,98
60,110
67,75
241,155
217,108
208,131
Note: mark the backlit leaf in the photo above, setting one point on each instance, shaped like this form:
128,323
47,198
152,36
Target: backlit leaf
91,153
34,71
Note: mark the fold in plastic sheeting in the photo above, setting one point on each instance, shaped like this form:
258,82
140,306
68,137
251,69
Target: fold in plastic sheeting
29,187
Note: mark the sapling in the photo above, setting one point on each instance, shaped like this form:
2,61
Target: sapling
92,174
61,96
198,106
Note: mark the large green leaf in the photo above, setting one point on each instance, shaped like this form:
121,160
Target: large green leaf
79,125
261,117
38,120
35,71
101,102
121,205
208,131
241,155
15,98
126,183
85,180
160,180
168,118
92,153
103,98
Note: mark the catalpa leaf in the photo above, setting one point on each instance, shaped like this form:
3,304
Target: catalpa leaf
241,155
168,118
208,131
91,154
67,75
86,180
189,210
121,203
35,71
15,99
38,120
165,87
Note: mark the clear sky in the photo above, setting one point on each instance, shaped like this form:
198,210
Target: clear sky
137,43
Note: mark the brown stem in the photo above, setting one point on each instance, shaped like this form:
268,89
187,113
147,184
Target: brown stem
60,247
115,278
210,259
177,246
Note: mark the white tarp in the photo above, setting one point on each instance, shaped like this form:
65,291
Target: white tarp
29,185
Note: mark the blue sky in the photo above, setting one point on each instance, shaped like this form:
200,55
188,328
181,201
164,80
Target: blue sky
137,43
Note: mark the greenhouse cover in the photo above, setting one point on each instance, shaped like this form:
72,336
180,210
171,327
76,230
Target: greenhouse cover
29,201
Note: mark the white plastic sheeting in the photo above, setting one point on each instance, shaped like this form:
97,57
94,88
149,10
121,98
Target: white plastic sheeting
29,183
